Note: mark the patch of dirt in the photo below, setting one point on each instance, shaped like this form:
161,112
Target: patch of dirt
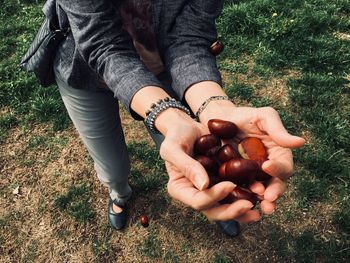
134,130
226,78
342,36
276,88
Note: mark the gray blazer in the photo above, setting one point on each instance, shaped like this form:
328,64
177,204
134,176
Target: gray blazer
99,53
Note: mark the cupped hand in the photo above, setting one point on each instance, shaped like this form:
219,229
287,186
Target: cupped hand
207,200
263,123
188,180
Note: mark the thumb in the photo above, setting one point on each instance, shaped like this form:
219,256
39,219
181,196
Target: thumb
271,123
188,166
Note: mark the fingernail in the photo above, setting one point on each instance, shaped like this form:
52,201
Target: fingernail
199,182
247,206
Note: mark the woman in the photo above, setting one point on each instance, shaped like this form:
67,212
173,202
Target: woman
142,53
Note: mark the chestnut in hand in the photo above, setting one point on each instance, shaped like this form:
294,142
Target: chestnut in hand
223,129
241,171
240,193
208,163
226,153
253,149
205,143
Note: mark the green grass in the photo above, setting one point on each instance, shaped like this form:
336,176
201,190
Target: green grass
301,36
151,247
219,258
76,202
19,90
7,122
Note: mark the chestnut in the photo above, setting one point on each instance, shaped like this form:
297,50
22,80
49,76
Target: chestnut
222,171
208,163
226,153
213,180
240,193
216,48
144,220
241,171
212,152
223,129
253,149
262,176
204,143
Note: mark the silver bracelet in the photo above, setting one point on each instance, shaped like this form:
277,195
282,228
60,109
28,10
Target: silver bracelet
206,102
158,108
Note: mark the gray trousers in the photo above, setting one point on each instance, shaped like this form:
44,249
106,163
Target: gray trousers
95,114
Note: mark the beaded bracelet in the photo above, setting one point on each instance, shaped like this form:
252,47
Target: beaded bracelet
206,102
158,108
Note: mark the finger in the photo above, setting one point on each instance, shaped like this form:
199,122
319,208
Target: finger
281,168
249,216
189,167
182,189
228,211
272,124
208,198
274,190
257,187
267,207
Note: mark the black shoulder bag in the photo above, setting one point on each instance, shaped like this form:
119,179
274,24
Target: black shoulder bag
41,54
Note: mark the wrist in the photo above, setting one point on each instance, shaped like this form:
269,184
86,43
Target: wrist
170,117
201,92
216,109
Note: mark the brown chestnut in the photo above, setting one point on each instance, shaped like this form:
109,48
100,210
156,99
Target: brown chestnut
240,193
208,163
223,129
241,171
212,152
226,153
222,171
262,176
253,149
216,48
204,143
213,180
144,220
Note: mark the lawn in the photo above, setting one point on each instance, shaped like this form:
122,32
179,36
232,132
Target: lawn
293,55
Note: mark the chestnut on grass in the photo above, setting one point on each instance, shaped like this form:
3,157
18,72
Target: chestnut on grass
204,143
144,220
223,129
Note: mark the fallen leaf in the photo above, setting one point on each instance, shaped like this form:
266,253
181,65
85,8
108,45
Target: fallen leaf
16,191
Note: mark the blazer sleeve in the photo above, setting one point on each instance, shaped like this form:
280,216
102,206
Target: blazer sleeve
187,44
107,47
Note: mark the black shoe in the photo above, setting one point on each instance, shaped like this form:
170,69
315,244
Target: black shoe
117,220
230,228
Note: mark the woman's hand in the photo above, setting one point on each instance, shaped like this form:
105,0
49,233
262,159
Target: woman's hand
188,180
207,200
263,123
